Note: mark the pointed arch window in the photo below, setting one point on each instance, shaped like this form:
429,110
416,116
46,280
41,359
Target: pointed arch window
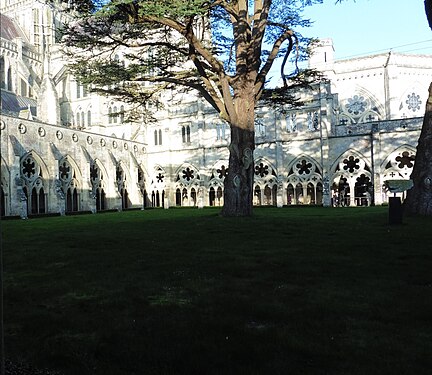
31,175
69,185
186,132
313,121
122,114
260,130
121,185
96,178
291,123
304,182
115,115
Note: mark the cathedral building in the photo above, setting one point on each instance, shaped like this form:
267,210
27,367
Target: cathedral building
66,150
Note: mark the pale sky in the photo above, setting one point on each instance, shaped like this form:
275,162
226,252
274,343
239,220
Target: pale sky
362,27
365,27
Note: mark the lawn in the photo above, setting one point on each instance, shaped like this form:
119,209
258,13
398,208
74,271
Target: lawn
184,291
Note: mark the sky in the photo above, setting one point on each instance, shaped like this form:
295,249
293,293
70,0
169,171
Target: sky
363,27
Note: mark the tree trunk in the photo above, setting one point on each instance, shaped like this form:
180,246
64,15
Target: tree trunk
419,197
238,185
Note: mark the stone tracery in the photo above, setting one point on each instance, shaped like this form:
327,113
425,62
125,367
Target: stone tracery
33,184
304,182
413,101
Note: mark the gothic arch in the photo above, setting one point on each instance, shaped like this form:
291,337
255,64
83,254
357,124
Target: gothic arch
70,181
306,158
187,185
89,115
99,180
33,177
265,183
266,161
304,181
187,174
125,167
338,166
218,172
158,177
123,183
42,164
399,163
158,186
104,173
74,165
351,180
362,106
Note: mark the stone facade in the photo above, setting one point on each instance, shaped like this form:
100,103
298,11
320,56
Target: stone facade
65,150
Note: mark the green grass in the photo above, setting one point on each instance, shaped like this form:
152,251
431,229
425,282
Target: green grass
184,291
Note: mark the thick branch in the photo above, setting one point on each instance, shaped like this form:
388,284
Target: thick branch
288,34
428,10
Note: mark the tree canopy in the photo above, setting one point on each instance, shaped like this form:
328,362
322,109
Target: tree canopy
208,46
222,49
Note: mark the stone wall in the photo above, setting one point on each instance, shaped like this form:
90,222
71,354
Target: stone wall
49,145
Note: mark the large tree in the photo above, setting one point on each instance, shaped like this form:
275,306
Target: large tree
419,197
222,49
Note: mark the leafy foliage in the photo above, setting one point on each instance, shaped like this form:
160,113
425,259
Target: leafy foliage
135,49
222,49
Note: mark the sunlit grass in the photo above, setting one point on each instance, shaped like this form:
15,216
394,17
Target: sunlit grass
185,291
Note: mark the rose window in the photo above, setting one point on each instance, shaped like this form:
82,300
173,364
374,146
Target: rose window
29,168
356,105
351,164
304,167
261,170
413,102
223,172
405,160
188,174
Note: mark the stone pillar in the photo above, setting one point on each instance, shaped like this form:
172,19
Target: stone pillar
21,198
60,196
280,192
326,191
352,193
